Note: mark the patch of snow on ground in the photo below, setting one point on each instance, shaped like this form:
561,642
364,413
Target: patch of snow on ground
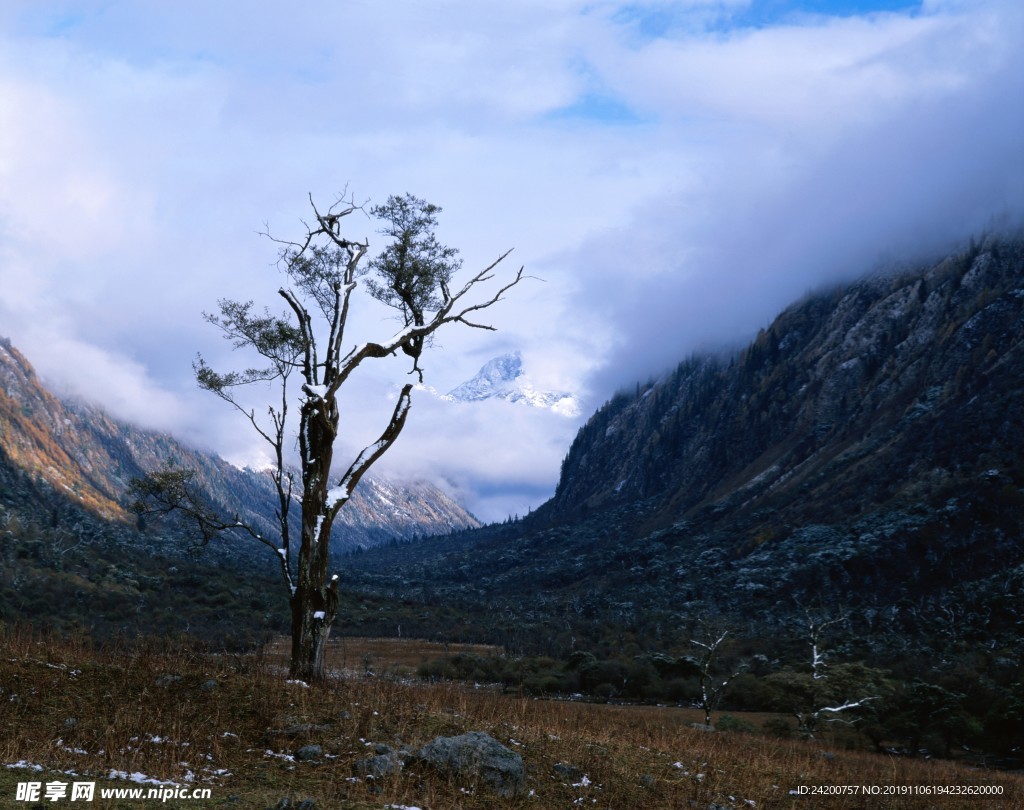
30,766
139,778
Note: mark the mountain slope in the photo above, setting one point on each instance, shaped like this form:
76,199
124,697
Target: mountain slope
44,438
875,393
80,451
864,452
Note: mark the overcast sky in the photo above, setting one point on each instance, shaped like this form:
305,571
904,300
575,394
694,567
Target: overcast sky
675,172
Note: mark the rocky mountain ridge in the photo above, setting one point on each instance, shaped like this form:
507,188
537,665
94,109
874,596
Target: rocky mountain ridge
79,450
861,455
827,402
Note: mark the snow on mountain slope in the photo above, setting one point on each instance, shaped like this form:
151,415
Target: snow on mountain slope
504,378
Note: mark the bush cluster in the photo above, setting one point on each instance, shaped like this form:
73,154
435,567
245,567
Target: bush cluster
915,717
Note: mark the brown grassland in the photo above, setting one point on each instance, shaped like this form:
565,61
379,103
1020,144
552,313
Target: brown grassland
233,723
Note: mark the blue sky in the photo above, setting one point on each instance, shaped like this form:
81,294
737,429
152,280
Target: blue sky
675,172
655,20
773,12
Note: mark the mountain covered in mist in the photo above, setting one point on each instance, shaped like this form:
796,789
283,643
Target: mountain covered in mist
504,378
886,393
863,452
78,450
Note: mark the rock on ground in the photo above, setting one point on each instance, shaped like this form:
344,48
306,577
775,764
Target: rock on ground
477,756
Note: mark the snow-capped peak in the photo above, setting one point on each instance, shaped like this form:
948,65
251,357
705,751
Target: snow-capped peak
503,378
494,378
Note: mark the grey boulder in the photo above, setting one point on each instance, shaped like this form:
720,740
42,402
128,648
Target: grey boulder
476,756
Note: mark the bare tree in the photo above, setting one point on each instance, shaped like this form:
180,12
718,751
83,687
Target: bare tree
826,690
713,680
308,340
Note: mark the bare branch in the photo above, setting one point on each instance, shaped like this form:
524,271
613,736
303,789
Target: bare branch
330,223
309,364
209,380
340,494
442,317
850,705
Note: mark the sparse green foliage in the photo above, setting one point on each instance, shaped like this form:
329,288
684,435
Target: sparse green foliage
825,691
414,270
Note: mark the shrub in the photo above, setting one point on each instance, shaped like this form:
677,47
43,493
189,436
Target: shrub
748,692
779,727
729,723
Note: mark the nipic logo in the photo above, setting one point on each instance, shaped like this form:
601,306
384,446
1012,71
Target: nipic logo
86,792
53,791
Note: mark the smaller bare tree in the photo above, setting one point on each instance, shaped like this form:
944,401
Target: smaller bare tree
714,680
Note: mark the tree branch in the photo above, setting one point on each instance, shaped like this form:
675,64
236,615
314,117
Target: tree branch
309,365
441,317
338,495
171,490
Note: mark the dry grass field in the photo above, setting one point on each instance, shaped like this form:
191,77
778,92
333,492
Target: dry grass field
384,655
233,724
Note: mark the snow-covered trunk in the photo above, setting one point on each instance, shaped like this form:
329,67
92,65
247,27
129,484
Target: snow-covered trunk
314,603
310,631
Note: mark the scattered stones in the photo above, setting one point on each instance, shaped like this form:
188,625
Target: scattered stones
388,761
567,771
378,766
167,681
476,756
309,753
209,686
289,804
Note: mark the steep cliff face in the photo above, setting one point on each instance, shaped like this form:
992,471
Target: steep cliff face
889,389
78,450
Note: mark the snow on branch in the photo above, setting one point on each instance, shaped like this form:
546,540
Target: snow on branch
337,496
445,315
851,705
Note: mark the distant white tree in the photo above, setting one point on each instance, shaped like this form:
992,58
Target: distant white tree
826,690
713,679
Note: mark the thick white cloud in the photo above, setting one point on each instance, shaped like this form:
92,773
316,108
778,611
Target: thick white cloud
901,137
674,174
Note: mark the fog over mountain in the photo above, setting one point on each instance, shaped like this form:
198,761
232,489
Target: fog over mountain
859,457
78,451
671,176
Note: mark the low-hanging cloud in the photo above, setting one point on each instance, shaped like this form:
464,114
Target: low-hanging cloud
706,265
674,177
